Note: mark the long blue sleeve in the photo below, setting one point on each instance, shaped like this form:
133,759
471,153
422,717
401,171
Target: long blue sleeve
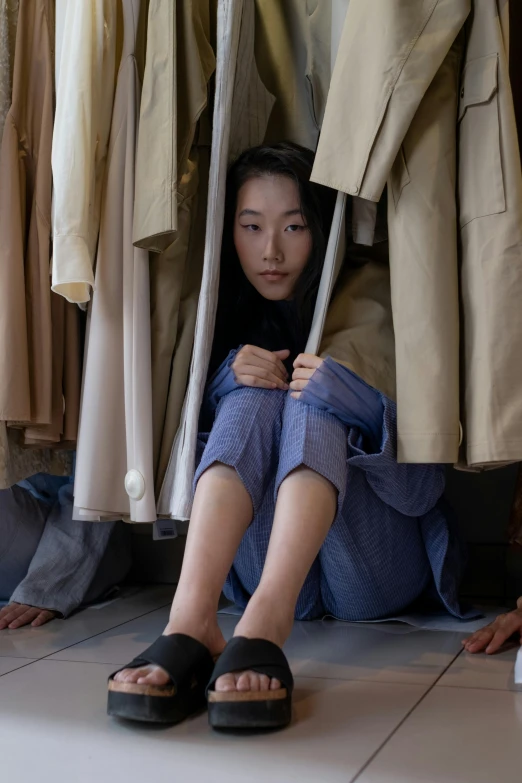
221,383
412,490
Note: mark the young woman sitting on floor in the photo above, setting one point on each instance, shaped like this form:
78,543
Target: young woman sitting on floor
300,507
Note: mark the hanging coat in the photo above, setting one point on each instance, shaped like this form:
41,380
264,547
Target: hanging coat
400,123
241,117
114,477
83,119
170,201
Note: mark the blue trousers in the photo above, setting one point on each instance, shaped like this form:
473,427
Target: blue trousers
373,562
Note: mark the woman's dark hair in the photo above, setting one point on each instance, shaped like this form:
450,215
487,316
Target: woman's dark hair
244,316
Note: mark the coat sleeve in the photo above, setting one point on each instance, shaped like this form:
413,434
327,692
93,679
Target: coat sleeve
78,137
395,47
371,417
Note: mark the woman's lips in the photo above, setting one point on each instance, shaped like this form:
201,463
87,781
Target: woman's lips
273,276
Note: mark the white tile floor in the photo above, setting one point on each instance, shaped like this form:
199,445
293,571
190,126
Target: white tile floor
372,704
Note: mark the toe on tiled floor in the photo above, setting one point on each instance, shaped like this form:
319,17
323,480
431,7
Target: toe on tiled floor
373,703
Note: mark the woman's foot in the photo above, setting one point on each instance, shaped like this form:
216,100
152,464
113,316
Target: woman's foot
263,619
205,630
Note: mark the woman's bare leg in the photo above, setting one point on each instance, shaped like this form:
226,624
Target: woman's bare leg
221,514
305,509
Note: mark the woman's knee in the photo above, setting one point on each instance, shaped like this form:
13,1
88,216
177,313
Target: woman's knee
246,403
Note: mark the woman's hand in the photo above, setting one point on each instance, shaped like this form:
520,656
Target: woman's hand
17,615
304,367
492,637
261,369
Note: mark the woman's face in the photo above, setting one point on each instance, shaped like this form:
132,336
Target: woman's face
271,238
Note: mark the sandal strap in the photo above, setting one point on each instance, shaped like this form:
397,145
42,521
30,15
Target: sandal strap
257,655
179,655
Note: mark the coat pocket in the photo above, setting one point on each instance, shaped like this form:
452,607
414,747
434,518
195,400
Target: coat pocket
481,181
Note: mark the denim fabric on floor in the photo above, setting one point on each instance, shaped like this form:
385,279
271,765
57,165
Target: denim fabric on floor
374,561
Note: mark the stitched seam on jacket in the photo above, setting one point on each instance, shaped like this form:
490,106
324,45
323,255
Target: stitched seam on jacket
386,102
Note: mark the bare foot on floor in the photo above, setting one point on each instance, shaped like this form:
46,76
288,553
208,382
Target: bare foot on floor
208,634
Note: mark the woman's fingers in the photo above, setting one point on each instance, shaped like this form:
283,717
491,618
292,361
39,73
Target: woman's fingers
493,636
24,618
308,360
258,378
479,640
43,617
250,355
10,613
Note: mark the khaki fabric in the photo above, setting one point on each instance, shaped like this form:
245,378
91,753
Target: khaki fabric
25,206
185,300
34,329
490,195
422,229
411,113
179,64
234,23
115,438
8,22
358,330
367,117
84,100
175,274
292,51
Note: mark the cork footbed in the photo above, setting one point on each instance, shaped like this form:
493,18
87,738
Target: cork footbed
140,689
229,696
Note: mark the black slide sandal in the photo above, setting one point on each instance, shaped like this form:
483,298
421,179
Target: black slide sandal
251,709
189,666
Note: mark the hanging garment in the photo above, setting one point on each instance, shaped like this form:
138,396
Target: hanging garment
292,51
81,132
175,274
18,463
39,345
114,476
8,22
31,319
176,493
396,123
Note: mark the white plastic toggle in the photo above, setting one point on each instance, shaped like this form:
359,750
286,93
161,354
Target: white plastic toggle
134,485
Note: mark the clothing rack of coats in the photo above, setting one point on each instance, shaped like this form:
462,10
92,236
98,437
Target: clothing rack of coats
121,118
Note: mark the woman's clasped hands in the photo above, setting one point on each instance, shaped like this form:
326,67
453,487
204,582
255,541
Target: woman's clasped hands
264,369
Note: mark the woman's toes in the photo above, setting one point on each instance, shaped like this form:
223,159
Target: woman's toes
274,685
247,681
154,676
264,682
227,682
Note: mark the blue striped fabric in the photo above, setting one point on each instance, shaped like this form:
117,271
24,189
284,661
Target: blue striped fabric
392,540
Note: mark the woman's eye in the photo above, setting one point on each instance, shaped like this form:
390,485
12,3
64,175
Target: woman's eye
252,227
295,227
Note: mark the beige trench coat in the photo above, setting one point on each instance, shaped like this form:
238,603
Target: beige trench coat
400,124
114,476
179,131
39,345
241,112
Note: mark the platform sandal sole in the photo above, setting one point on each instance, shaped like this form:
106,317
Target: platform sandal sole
249,709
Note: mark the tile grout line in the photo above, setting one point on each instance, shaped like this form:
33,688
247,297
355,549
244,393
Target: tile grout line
80,641
23,666
401,722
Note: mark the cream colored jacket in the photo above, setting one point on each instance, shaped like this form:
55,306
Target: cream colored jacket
431,116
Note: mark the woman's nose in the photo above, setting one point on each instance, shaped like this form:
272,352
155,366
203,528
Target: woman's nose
272,250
